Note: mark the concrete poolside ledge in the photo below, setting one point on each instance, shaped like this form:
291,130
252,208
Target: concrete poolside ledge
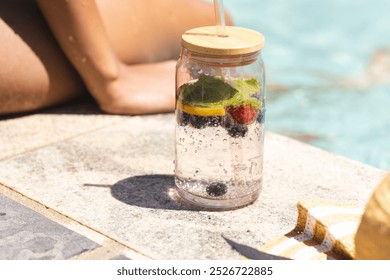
113,177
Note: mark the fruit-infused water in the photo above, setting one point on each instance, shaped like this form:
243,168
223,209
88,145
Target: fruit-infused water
220,83
219,141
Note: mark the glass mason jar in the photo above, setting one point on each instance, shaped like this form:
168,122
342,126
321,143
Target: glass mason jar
220,105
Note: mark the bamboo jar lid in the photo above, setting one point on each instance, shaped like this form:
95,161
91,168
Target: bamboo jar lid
237,41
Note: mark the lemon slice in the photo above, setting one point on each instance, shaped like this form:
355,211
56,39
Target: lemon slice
202,111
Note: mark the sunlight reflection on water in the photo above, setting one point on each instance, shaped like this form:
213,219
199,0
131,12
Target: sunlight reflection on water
328,72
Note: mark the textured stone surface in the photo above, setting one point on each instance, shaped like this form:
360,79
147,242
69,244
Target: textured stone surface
21,134
119,180
25,234
115,174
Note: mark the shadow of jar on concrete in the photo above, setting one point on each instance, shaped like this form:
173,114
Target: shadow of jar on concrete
155,191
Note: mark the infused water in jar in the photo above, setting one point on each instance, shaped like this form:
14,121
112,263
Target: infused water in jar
220,106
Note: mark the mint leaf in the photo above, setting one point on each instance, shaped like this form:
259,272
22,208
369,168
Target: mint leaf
211,91
207,90
245,89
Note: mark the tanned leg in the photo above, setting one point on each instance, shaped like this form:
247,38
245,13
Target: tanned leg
34,72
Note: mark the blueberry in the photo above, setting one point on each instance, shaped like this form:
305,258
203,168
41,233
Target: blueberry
182,118
238,130
216,189
214,121
228,122
198,122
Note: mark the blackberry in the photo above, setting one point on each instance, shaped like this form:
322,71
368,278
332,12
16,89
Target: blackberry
214,121
238,130
198,122
182,118
216,189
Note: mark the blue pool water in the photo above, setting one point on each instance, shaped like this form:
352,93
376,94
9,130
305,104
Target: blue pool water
328,72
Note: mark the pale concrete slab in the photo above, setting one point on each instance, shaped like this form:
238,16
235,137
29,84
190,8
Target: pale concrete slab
118,180
26,133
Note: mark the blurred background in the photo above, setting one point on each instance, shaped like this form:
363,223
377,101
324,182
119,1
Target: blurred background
328,72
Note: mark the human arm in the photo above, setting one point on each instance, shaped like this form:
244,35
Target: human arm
118,88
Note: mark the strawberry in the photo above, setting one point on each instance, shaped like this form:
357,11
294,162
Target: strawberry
243,114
